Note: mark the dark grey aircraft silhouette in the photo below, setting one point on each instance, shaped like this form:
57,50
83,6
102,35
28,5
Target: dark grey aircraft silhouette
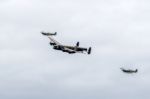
129,70
49,34
68,49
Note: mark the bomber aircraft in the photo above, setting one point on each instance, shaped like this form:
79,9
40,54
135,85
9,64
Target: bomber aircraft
68,49
129,71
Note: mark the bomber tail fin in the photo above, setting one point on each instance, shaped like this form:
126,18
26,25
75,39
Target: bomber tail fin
136,70
77,44
89,50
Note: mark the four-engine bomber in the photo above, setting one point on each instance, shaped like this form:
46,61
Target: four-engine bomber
64,48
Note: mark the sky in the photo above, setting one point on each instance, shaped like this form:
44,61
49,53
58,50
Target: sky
117,30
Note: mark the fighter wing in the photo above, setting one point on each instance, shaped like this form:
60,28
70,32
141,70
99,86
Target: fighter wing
54,41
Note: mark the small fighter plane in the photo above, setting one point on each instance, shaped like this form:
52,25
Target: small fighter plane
68,49
49,34
129,70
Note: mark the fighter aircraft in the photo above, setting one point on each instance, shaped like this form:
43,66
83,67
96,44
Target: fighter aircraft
129,70
49,34
68,49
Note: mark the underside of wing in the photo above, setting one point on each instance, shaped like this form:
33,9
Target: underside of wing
54,41
76,48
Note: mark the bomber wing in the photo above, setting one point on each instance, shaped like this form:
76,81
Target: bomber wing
54,41
76,48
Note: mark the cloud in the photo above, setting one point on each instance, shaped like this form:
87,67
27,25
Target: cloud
117,31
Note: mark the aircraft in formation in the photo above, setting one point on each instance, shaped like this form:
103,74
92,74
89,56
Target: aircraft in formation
129,71
49,34
75,49
68,49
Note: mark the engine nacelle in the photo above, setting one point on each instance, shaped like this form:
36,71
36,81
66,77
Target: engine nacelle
52,43
57,48
65,50
71,52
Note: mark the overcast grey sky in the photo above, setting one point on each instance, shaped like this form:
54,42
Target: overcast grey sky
118,31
